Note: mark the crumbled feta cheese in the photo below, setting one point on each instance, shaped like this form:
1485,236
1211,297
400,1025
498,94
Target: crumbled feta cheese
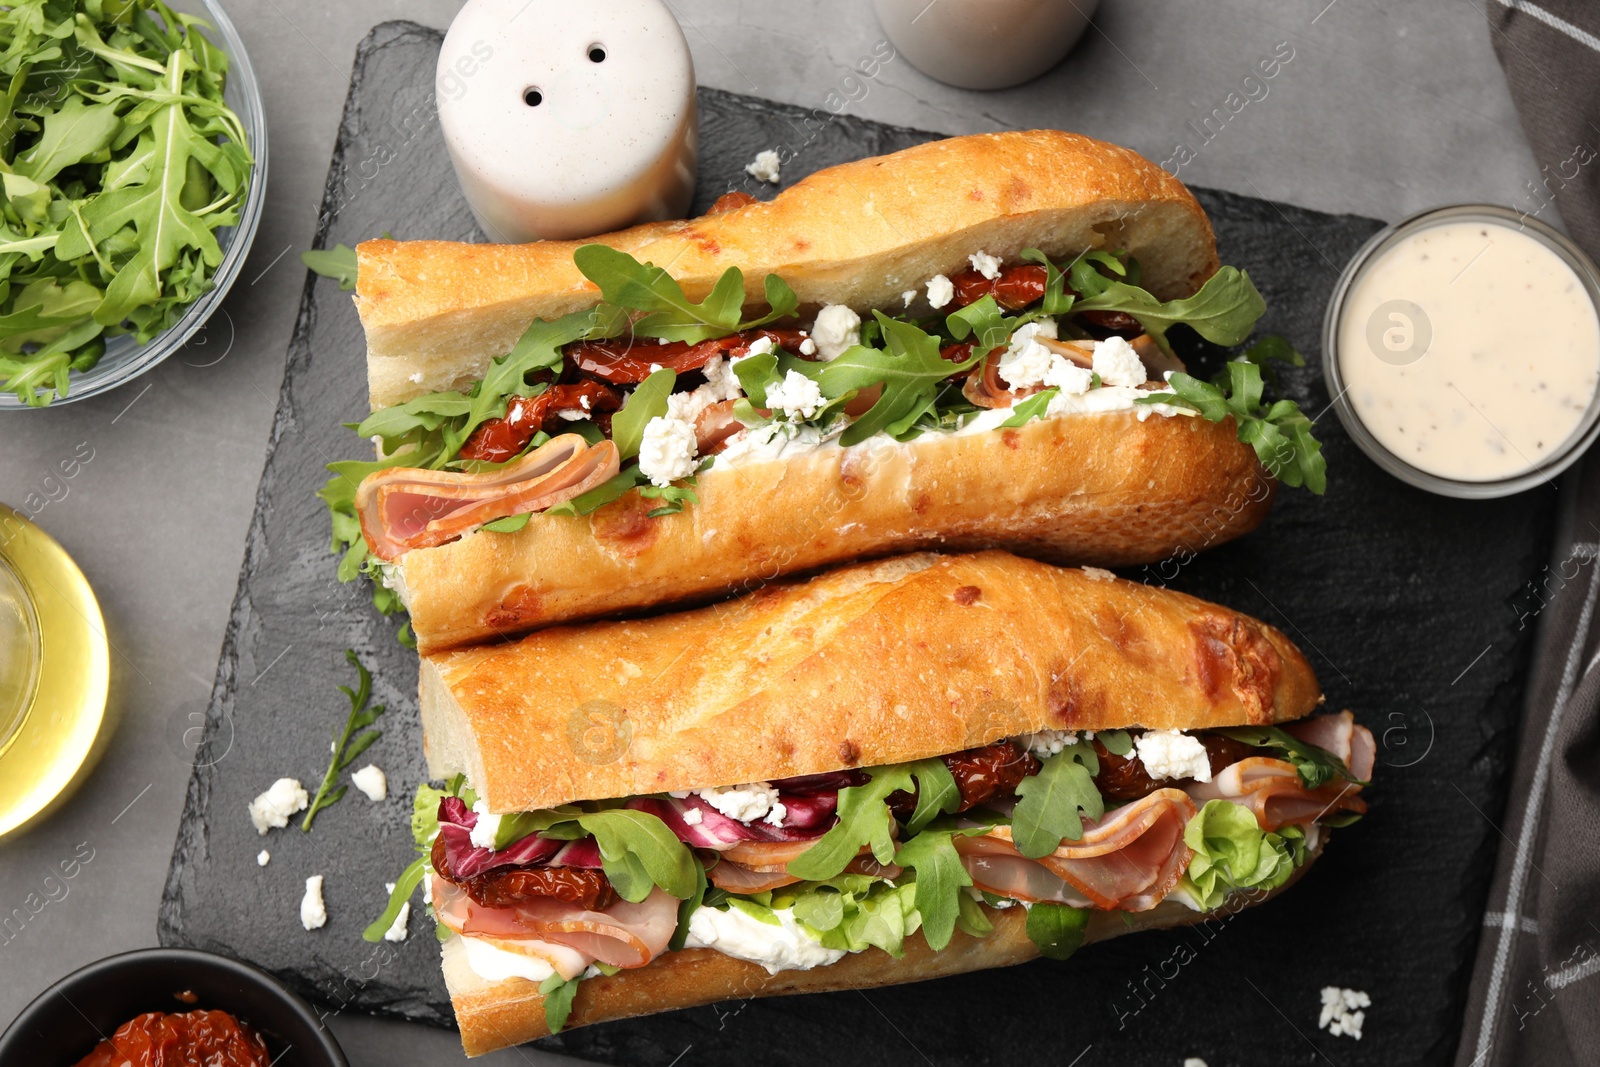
908,296
796,396
1098,574
1341,1011
784,947
313,913
692,817
1117,363
1026,362
372,781
808,347
759,347
1194,1061
1068,377
263,858
836,329
1173,754
746,803
940,291
573,414
397,930
679,793
765,167
771,442
721,383
487,826
1047,743
667,450
985,264
271,810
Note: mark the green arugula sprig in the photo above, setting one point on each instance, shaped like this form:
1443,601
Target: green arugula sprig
350,744
1316,766
338,263
1053,802
558,993
424,828
668,313
121,162
865,821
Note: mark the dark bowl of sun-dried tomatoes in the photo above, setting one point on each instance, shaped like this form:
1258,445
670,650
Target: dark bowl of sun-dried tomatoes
168,1006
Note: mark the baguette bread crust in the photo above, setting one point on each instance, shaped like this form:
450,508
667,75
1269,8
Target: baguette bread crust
495,1015
436,312
872,664
1106,489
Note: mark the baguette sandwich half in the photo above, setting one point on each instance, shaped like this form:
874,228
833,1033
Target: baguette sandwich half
897,771
966,344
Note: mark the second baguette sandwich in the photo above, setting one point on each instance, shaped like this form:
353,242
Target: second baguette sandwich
962,345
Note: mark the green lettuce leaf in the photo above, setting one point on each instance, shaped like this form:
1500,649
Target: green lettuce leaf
878,916
1052,802
1232,852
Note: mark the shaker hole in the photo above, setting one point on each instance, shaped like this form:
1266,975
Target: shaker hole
532,97
597,53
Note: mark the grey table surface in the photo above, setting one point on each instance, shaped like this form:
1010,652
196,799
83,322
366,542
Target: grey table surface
1385,109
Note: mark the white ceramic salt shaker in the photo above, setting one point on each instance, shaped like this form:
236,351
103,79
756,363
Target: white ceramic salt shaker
984,44
568,119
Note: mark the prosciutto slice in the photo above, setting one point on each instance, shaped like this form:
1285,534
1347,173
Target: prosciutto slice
1130,860
623,935
405,507
740,878
1275,795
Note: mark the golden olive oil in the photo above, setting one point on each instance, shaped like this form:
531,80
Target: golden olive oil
54,670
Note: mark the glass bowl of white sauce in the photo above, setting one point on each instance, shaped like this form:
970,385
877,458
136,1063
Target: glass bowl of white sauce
1462,349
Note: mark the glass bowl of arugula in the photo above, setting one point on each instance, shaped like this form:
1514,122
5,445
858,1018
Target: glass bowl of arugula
135,157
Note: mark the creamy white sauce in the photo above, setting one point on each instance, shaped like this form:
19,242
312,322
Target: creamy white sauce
735,933
1470,350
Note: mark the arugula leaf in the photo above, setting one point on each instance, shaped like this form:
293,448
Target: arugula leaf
626,282
970,919
647,401
349,744
686,910
424,828
909,368
984,322
1280,434
674,495
1057,929
600,495
856,917
1116,742
1316,765
1030,408
514,827
936,792
426,413
558,993
71,135
338,263
638,851
1048,811
509,524
940,878
1057,301
864,820
404,886
1224,311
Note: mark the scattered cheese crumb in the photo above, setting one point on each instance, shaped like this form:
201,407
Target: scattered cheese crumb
692,816
1194,1061
416,378
667,450
271,810
1026,362
940,291
397,930
1098,574
746,803
1117,363
796,396
985,264
1342,1014
765,167
808,347
1173,754
263,858
721,382
313,914
908,296
836,329
372,781
1047,743
484,830
1068,377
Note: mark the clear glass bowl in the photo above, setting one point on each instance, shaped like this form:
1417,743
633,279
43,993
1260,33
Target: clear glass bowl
125,358
1559,459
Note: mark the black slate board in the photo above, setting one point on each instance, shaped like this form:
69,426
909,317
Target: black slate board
1410,606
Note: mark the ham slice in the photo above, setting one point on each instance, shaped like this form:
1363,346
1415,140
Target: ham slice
1275,795
742,878
405,507
1130,860
623,935
1340,735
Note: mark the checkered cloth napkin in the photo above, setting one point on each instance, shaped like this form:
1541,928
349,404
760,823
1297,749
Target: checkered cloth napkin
1535,996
